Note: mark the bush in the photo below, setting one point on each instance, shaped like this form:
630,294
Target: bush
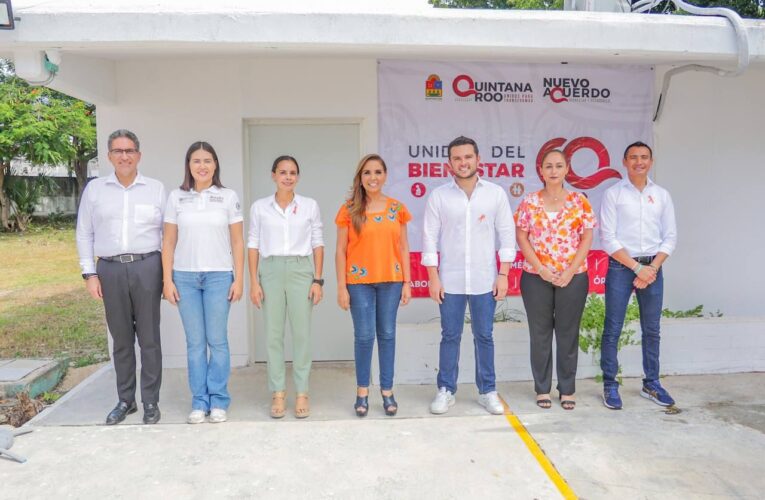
593,319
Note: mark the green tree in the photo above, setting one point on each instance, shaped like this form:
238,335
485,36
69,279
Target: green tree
745,8
499,4
753,9
83,136
25,193
41,126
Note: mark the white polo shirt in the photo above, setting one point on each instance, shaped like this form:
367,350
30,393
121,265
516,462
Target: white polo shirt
203,220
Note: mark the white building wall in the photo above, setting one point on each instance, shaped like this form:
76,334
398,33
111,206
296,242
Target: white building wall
171,103
709,154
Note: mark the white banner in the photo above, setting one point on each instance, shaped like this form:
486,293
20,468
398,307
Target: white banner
514,112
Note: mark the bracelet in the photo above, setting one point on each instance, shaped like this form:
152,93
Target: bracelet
637,268
653,267
502,274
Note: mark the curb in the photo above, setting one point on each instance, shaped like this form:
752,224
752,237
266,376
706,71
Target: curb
37,382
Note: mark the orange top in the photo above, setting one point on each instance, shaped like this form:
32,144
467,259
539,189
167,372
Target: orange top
374,256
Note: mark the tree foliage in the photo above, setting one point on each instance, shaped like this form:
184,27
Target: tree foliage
499,4
753,9
41,126
25,193
745,8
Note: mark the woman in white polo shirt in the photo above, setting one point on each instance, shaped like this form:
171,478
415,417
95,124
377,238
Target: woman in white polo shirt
285,230
203,266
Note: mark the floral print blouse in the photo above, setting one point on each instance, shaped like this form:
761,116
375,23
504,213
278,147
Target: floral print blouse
555,240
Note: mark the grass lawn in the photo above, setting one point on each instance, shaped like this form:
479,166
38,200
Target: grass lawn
44,308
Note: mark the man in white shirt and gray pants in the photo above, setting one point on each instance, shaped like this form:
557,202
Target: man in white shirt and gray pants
463,219
638,231
120,223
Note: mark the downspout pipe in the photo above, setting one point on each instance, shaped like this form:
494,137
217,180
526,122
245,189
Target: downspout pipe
742,43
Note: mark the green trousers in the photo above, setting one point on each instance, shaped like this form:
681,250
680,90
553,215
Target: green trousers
286,282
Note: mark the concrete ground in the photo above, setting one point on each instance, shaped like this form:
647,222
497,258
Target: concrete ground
713,448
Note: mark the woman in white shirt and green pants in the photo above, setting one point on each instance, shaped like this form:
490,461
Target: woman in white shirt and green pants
285,230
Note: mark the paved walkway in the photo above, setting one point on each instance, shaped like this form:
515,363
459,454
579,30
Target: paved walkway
712,449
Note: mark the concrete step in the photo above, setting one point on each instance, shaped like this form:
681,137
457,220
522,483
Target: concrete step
34,376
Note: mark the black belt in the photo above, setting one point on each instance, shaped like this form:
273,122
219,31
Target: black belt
127,258
645,260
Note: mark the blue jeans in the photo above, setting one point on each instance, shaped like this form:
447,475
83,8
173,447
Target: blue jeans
618,291
204,310
374,308
482,323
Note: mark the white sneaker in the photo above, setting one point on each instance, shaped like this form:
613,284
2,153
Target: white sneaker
195,417
217,416
491,402
442,402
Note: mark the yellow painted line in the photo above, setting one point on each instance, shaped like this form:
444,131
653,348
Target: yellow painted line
544,462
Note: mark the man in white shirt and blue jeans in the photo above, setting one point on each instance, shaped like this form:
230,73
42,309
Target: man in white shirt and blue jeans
463,219
638,231
120,223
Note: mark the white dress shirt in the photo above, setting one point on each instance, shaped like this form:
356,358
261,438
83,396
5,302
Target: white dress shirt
203,220
114,220
294,231
642,223
466,230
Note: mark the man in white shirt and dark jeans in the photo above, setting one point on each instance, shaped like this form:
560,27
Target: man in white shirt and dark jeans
638,231
120,223
463,219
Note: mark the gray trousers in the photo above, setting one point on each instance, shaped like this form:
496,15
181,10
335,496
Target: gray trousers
132,294
553,309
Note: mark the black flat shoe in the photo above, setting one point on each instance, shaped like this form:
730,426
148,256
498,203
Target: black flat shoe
361,406
151,413
389,405
120,411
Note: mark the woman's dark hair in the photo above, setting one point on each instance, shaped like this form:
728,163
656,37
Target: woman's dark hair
551,151
284,158
544,157
188,180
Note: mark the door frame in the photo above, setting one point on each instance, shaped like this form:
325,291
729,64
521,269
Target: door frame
248,195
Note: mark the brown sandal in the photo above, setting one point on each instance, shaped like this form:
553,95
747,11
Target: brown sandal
278,404
302,408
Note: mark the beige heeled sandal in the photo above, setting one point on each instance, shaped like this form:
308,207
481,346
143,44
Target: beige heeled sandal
302,407
278,404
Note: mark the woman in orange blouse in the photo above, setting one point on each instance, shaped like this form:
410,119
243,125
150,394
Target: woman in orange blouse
554,232
372,261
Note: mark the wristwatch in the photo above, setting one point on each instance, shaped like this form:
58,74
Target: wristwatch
87,276
319,281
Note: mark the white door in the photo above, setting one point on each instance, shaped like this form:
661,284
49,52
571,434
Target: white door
327,154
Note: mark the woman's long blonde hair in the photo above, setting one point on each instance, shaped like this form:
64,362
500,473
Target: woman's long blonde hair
357,198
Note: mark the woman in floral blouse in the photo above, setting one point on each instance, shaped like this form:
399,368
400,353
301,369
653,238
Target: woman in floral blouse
554,232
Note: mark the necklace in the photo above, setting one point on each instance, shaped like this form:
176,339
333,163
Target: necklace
556,197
